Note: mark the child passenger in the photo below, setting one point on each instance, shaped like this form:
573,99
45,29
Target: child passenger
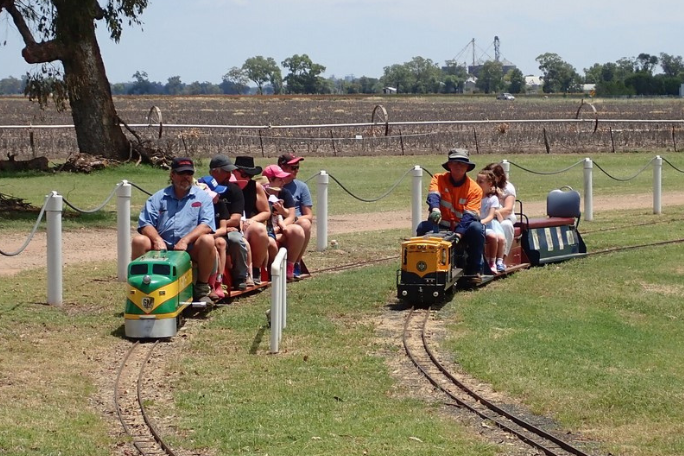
495,241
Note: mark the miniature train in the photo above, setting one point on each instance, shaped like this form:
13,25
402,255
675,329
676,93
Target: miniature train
432,265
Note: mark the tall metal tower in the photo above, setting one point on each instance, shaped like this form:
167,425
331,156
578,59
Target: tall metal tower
497,53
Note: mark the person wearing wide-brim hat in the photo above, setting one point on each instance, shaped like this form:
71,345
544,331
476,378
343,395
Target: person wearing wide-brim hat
257,212
247,166
454,201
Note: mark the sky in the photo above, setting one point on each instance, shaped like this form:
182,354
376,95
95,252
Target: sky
201,40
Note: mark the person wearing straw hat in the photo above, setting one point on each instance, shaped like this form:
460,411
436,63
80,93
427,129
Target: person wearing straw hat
454,201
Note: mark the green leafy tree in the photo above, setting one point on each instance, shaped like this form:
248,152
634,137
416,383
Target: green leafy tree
559,76
454,77
490,79
142,84
516,81
63,31
261,70
11,86
397,76
647,63
672,65
304,75
426,75
174,86
235,81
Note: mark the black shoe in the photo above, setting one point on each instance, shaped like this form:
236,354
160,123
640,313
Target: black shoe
256,276
241,285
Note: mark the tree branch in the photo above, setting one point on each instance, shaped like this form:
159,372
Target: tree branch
44,52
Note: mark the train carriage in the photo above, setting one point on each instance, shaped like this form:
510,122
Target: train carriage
432,265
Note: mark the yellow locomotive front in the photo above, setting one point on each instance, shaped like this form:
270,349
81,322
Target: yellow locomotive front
428,269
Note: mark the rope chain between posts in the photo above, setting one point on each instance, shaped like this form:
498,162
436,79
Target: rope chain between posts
33,232
374,199
97,209
546,173
312,177
625,179
140,188
426,170
673,166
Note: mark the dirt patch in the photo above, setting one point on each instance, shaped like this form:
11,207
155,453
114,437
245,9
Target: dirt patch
85,245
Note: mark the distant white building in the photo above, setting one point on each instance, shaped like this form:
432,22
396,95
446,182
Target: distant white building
681,90
470,84
389,90
588,88
533,83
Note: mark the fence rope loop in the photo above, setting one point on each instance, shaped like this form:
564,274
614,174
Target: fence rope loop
543,173
627,178
673,166
33,232
372,200
97,209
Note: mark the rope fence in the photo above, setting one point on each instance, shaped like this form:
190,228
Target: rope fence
53,207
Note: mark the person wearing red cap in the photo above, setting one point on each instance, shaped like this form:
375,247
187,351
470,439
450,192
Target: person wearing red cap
285,232
302,196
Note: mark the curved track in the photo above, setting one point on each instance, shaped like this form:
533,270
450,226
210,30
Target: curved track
415,340
128,397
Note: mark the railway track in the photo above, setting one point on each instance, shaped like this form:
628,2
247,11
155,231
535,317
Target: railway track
415,340
129,400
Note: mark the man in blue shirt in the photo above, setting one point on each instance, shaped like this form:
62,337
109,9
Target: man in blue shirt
180,217
303,202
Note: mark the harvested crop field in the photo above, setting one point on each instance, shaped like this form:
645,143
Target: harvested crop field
364,125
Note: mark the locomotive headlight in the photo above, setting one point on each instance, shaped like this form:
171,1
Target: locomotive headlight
421,266
404,293
147,279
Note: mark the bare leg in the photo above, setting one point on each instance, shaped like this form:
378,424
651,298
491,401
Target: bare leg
140,245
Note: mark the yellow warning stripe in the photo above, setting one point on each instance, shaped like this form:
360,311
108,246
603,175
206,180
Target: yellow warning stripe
160,295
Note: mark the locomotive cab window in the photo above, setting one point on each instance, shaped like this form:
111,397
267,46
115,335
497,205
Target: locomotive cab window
138,269
161,269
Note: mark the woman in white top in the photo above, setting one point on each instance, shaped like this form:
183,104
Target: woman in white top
507,198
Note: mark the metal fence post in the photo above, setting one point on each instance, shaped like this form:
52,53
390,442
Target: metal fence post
322,212
417,197
53,213
657,185
123,224
588,190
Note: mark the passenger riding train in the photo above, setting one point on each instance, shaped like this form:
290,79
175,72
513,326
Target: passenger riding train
432,265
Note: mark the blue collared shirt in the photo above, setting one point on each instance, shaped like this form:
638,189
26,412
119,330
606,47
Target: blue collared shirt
174,218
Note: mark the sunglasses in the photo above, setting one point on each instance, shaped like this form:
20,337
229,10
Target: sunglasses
293,168
184,173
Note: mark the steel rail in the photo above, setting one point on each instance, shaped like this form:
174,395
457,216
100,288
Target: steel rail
478,398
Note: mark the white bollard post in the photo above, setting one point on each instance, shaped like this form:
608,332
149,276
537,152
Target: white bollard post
506,165
588,190
417,198
278,299
657,185
322,212
123,229
53,213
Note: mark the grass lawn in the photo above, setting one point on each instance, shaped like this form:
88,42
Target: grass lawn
594,344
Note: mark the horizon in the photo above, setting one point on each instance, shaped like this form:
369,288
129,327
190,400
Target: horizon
197,42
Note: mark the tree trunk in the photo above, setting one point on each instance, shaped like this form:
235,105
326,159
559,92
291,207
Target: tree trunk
97,126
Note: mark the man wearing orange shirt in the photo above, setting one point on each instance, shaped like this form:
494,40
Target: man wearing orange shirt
454,201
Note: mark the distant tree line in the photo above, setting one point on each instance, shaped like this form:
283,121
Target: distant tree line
626,77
